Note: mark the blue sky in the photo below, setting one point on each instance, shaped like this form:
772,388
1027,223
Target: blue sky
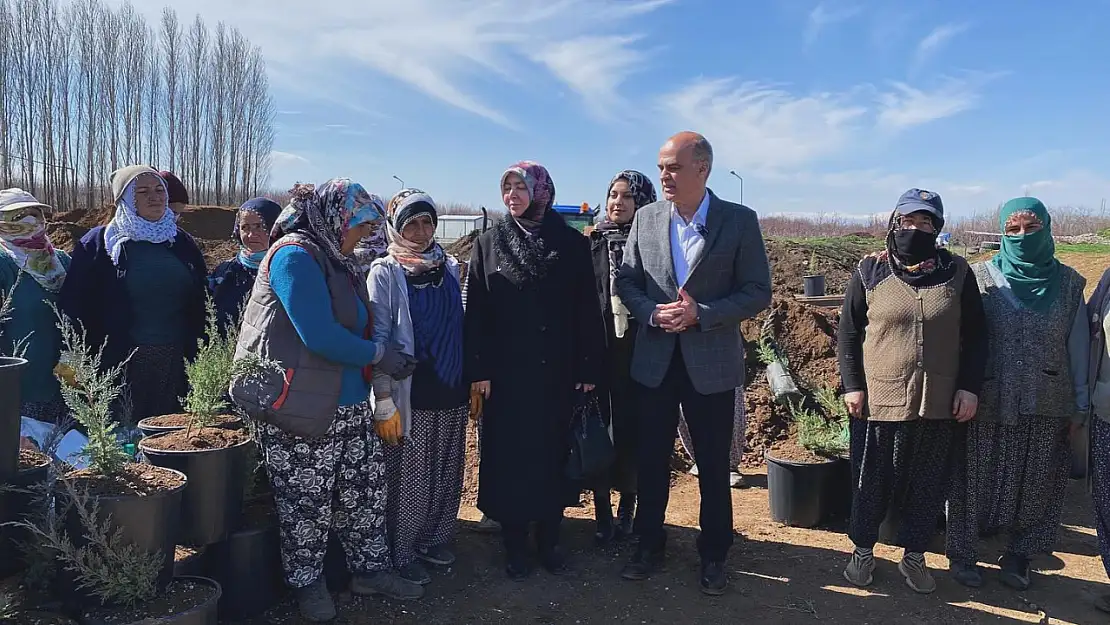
832,106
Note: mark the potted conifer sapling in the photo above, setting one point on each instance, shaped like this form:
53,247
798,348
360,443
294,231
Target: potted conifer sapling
802,472
21,470
117,581
813,283
214,458
12,364
138,503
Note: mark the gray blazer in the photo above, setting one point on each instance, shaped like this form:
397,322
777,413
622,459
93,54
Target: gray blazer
731,281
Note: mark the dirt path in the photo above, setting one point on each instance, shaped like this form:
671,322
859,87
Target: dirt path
779,575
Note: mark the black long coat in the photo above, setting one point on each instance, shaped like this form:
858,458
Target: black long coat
618,399
533,340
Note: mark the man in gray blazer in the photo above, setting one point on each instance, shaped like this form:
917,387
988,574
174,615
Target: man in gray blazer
694,267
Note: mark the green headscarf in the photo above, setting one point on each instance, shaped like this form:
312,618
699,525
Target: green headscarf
1029,261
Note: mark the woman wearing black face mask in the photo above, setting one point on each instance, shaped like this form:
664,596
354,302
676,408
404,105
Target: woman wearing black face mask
912,348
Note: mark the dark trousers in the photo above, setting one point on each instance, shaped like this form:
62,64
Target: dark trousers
514,535
904,468
709,418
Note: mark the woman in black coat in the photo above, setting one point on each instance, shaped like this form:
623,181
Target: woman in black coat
533,339
628,192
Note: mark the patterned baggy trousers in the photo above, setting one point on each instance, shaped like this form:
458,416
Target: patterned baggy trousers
333,483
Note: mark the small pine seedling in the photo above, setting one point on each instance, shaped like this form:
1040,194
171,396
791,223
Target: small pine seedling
91,396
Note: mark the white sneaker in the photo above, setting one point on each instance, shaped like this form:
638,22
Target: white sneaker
735,479
694,470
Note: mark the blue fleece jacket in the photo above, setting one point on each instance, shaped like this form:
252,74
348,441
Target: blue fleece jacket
32,316
300,286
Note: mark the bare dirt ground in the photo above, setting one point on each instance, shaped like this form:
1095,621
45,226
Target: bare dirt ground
779,575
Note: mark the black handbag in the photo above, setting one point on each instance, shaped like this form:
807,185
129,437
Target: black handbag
591,447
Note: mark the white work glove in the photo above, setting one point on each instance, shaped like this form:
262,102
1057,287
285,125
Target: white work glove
620,316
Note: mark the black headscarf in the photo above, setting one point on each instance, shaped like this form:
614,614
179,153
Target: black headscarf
616,235
913,255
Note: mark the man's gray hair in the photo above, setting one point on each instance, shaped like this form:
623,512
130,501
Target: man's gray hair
703,152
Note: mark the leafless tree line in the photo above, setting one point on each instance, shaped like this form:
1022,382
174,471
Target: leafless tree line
85,89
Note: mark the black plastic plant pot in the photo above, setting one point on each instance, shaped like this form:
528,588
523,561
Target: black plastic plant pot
149,522
838,491
205,613
813,286
248,567
798,491
153,430
194,564
11,375
212,504
15,502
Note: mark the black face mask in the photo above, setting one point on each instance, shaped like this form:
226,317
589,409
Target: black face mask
914,246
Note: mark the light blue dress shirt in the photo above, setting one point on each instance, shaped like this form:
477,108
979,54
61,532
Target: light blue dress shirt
687,240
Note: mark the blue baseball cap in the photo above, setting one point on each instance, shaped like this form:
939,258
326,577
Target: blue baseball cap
920,200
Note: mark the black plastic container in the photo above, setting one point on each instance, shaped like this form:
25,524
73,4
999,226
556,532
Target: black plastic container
799,493
11,374
203,614
195,565
838,491
15,502
212,504
150,522
813,286
153,430
248,567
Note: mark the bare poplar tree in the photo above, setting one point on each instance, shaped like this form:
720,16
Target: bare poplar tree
86,88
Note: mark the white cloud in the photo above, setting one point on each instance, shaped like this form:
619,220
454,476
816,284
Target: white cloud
281,159
761,127
776,133
824,15
970,189
935,40
594,67
440,48
906,106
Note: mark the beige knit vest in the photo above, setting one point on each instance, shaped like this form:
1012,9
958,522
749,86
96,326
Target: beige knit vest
911,352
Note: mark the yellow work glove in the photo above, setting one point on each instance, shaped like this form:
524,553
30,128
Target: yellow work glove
65,373
477,402
387,421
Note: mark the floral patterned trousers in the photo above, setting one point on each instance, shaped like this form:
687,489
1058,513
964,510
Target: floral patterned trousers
332,483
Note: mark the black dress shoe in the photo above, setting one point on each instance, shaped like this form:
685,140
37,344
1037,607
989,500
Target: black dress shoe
642,565
554,561
714,578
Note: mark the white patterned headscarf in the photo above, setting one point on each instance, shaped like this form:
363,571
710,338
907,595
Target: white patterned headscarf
127,225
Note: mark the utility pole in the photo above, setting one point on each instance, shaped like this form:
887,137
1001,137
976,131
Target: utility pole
399,180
